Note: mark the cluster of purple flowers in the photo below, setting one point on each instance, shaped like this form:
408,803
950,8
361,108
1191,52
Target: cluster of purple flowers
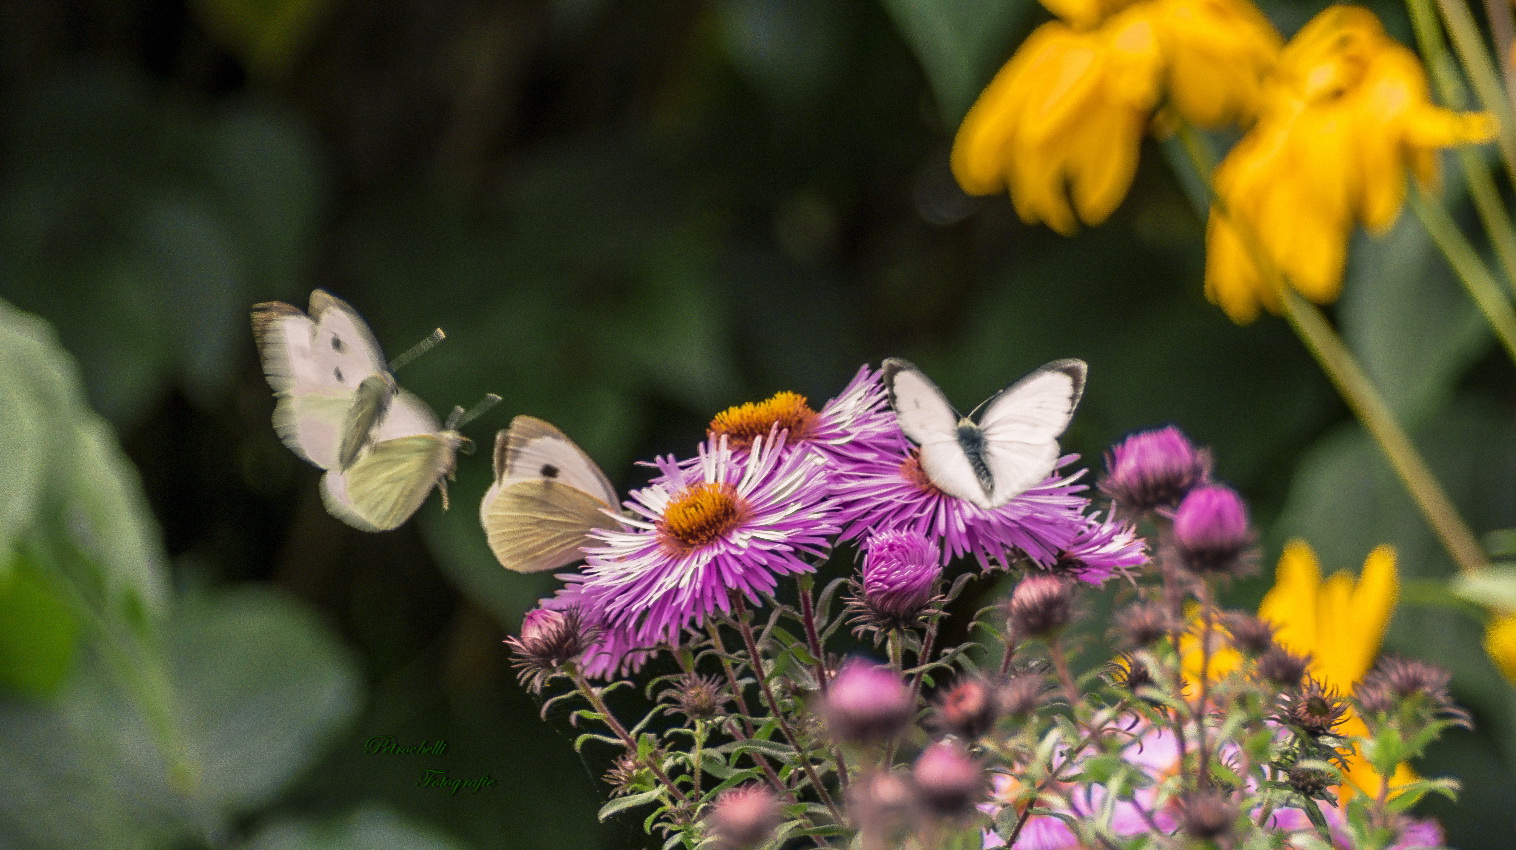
774,487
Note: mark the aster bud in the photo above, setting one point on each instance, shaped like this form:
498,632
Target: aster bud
1154,469
1396,682
1313,708
1312,782
1144,624
1211,532
549,639
967,709
744,817
1282,667
1023,694
1131,674
1208,815
900,573
867,703
1250,635
697,697
948,780
882,805
1040,605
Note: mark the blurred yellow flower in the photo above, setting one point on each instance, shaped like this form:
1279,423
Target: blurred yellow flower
1061,125
1345,116
1340,624
1500,643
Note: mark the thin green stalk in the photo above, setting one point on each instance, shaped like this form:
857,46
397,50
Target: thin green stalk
1468,43
1477,279
1371,409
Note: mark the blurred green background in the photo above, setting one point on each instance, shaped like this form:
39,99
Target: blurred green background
626,216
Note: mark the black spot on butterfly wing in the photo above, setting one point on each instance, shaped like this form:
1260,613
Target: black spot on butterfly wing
549,471
337,373
336,343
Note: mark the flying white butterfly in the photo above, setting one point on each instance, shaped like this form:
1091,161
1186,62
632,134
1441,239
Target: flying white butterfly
1004,447
339,408
547,496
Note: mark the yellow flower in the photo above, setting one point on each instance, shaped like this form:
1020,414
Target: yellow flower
1340,624
1500,643
1061,125
1346,115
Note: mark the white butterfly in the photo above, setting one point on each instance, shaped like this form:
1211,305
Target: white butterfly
331,379
547,496
339,408
1004,447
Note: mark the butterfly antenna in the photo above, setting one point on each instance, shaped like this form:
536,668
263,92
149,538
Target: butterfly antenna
417,350
460,418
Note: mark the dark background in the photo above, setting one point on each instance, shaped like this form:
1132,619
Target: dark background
626,216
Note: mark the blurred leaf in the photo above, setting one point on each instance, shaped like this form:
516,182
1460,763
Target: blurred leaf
368,828
24,441
1405,315
958,43
786,48
264,689
38,633
1493,588
267,35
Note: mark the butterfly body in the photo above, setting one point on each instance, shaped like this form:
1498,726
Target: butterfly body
547,497
1004,447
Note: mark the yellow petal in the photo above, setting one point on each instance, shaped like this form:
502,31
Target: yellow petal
1500,643
1291,603
1231,276
1219,52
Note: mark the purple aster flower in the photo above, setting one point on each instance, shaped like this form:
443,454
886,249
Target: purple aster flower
947,779
1211,531
726,523
1154,469
549,639
900,573
849,425
1102,549
886,490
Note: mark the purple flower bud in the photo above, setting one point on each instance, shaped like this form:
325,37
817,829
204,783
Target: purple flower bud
1154,469
1040,604
948,780
867,703
968,709
549,639
900,573
744,816
1211,531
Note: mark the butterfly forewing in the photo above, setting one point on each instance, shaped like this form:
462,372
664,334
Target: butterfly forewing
1021,425
932,424
537,449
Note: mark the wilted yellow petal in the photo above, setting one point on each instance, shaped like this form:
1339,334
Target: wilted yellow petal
1219,52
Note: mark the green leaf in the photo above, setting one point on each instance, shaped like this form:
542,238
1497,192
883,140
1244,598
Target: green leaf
1493,588
630,801
264,687
38,632
958,43
368,828
266,34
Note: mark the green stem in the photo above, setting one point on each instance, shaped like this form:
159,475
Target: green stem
592,695
1482,286
1371,409
1468,43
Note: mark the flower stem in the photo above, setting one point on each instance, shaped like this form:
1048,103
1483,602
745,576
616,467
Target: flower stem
812,639
1465,261
1469,45
739,608
1371,409
592,694
747,732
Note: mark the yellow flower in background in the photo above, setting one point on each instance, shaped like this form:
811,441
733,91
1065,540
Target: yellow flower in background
1061,125
1500,643
1346,115
1340,623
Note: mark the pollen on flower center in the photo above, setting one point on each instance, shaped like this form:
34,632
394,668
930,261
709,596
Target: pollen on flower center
701,514
746,422
910,470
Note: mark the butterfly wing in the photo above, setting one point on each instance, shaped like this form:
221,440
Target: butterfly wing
548,495
393,475
316,365
931,423
1021,425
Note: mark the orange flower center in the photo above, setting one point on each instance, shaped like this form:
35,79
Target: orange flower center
746,422
910,470
700,515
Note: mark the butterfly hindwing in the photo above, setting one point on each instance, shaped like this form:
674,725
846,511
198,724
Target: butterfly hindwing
932,424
